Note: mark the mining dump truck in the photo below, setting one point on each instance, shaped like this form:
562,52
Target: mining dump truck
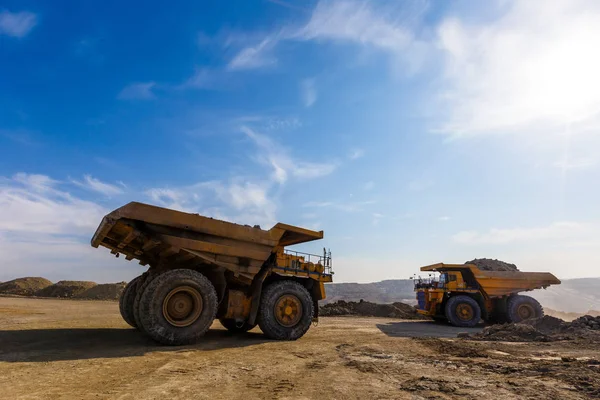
464,295
201,268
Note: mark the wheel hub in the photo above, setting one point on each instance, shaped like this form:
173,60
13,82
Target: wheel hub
288,310
525,311
465,312
182,306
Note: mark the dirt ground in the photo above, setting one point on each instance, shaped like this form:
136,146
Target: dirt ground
69,349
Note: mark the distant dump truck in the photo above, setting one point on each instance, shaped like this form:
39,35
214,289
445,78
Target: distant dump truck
464,294
202,268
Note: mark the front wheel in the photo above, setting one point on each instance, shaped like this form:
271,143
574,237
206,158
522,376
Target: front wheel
126,301
463,311
286,310
520,308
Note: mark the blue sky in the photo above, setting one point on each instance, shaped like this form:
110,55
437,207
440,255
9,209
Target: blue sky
411,132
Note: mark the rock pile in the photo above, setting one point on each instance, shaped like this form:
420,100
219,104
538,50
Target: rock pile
105,291
24,286
544,329
68,289
487,264
368,309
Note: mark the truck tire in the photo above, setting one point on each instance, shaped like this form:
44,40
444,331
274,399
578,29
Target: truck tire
144,281
177,307
232,326
522,307
463,311
286,310
126,301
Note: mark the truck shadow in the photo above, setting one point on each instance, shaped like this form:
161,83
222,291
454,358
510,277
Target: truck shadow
40,345
424,329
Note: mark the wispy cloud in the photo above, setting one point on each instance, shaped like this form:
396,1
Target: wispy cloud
557,230
36,204
355,154
20,136
342,206
255,56
138,91
236,201
282,163
17,24
369,185
93,184
577,164
308,92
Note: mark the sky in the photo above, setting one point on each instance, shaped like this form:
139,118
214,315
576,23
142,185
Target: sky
411,132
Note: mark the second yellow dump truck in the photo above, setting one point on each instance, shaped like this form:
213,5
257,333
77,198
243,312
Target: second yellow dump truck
201,268
464,294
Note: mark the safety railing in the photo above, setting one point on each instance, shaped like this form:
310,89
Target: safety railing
315,263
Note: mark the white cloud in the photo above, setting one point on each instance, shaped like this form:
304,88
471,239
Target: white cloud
369,185
96,185
34,204
444,218
282,163
557,230
343,206
308,91
236,201
534,69
356,154
577,164
256,56
17,24
203,78
384,26
138,91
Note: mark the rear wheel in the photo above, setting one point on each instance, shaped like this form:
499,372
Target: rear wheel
286,310
178,306
127,299
233,326
144,281
463,311
521,308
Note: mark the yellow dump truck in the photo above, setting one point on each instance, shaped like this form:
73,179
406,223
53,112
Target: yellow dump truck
464,295
201,268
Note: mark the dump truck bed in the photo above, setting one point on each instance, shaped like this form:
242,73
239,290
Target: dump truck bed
153,234
501,283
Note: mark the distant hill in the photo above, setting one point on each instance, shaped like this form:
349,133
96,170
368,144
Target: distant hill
573,295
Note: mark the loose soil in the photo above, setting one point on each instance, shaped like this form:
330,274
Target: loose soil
544,329
66,289
74,349
368,309
104,291
487,264
24,286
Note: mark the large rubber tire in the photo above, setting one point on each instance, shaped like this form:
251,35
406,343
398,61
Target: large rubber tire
520,308
232,326
126,301
144,281
267,319
152,307
456,304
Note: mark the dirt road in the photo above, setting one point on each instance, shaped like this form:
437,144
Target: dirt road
65,349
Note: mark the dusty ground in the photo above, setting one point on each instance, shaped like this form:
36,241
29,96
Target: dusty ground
67,349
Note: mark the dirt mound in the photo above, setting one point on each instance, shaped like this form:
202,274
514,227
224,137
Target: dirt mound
368,309
487,264
68,289
544,329
105,291
24,286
